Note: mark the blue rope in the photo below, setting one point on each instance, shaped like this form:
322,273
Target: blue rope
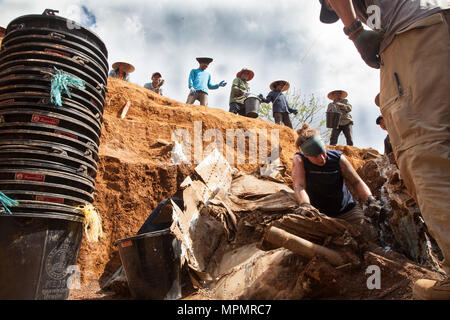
7,202
60,84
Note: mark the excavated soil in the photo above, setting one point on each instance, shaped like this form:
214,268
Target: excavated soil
136,173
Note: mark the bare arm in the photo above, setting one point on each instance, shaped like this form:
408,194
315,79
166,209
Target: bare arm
298,177
354,180
345,10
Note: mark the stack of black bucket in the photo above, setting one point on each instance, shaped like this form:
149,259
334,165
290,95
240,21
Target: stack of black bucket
48,153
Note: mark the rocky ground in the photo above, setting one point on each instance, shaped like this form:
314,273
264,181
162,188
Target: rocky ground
136,173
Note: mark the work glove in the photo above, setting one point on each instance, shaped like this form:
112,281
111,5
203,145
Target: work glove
307,206
222,83
292,111
192,91
306,209
261,96
372,207
246,94
368,44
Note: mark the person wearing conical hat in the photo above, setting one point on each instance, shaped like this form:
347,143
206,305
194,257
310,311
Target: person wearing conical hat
200,82
121,70
156,83
341,104
240,91
280,105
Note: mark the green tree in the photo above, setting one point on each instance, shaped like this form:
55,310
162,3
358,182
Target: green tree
311,110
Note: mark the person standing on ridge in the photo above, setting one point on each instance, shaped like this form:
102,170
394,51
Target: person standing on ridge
341,105
280,105
200,82
240,91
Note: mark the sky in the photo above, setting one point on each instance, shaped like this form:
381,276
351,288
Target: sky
277,39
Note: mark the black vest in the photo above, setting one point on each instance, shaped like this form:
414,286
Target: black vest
325,185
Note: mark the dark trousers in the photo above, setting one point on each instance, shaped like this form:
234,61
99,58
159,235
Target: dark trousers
347,129
282,117
237,108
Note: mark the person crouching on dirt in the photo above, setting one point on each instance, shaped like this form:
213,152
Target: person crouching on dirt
279,101
319,175
240,91
121,70
156,83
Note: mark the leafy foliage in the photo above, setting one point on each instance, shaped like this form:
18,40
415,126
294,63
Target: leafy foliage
311,110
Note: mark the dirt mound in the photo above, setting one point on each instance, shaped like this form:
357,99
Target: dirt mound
136,173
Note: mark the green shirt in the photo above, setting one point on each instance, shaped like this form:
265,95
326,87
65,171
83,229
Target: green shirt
238,88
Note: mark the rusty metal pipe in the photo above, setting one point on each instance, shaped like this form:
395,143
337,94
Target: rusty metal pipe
305,248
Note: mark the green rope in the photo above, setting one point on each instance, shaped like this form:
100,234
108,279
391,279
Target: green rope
60,84
7,202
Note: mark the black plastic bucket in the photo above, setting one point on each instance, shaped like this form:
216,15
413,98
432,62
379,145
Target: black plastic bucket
56,24
48,121
38,256
252,105
55,36
151,262
42,104
36,146
46,61
61,43
89,149
83,99
333,119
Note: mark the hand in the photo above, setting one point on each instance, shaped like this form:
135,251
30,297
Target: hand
292,111
306,207
161,82
261,96
372,207
222,83
368,44
192,91
246,94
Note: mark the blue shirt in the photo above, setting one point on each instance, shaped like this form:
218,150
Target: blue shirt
201,80
325,185
278,100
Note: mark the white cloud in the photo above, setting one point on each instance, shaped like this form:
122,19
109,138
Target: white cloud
279,39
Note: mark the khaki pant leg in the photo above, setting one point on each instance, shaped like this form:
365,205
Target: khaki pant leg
426,170
191,99
203,98
417,116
